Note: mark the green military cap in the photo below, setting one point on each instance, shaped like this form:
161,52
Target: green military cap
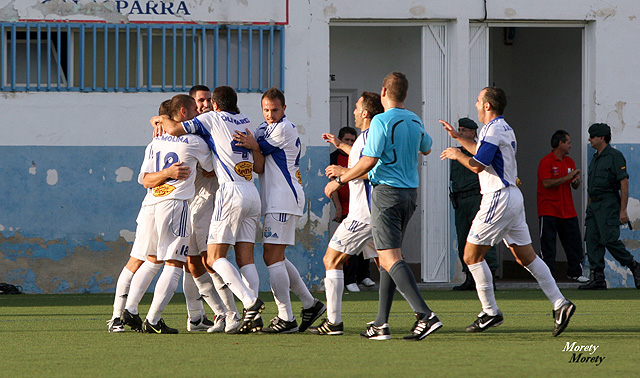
599,129
467,123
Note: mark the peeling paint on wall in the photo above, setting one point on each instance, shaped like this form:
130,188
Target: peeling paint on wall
52,177
418,11
124,174
615,118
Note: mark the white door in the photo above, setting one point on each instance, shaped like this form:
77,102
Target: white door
435,174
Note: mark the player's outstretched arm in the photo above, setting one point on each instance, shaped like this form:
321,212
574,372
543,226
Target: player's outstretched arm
330,138
454,153
176,171
467,144
364,165
163,124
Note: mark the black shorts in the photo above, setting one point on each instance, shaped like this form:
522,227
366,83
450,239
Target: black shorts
391,209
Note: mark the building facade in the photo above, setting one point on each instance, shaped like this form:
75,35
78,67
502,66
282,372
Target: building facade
79,80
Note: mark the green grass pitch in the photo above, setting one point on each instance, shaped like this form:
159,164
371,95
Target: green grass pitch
66,336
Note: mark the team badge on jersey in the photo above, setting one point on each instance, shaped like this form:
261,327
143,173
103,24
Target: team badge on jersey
163,190
244,169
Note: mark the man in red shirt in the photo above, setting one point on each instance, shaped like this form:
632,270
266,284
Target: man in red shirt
557,174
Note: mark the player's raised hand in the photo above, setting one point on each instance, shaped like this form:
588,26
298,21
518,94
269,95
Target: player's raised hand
245,139
334,171
330,138
178,171
156,122
450,129
451,153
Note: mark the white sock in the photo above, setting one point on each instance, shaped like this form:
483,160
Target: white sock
484,286
140,283
195,310
540,271
165,288
209,294
225,294
250,277
122,290
297,285
334,287
279,280
231,277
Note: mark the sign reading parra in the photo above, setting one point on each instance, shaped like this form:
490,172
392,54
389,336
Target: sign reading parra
170,11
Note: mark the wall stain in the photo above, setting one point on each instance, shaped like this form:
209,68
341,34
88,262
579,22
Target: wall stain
82,270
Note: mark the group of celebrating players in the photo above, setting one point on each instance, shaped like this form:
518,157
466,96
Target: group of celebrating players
187,224
203,135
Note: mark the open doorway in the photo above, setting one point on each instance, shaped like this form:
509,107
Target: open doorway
540,69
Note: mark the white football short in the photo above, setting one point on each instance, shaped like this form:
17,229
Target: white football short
501,217
145,242
201,213
352,237
165,230
279,228
236,214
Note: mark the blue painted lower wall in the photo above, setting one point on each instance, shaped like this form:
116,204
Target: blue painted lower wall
68,218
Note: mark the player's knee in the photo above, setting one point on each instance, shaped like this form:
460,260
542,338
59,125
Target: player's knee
332,261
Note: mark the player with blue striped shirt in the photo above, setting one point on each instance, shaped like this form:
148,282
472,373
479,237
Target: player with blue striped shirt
283,204
353,235
501,215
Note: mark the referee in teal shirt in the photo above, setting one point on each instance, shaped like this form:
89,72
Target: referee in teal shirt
391,159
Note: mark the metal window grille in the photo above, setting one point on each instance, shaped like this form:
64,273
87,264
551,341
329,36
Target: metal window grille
98,57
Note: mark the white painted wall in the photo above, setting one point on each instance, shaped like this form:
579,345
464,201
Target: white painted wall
89,119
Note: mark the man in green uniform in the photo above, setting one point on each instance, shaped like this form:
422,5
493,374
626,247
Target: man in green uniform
465,198
608,190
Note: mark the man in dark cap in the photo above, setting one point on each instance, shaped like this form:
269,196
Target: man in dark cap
608,190
465,198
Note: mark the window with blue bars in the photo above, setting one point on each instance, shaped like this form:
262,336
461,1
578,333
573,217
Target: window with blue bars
96,57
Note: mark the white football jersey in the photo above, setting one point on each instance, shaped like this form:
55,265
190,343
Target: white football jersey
359,190
281,182
497,152
166,150
205,186
232,163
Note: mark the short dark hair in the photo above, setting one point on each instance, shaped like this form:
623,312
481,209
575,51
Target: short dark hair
346,130
164,108
496,97
272,94
179,101
196,88
397,86
607,138
371,103
226,98
557,137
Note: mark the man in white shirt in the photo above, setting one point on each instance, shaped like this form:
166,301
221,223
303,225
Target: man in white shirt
501,215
